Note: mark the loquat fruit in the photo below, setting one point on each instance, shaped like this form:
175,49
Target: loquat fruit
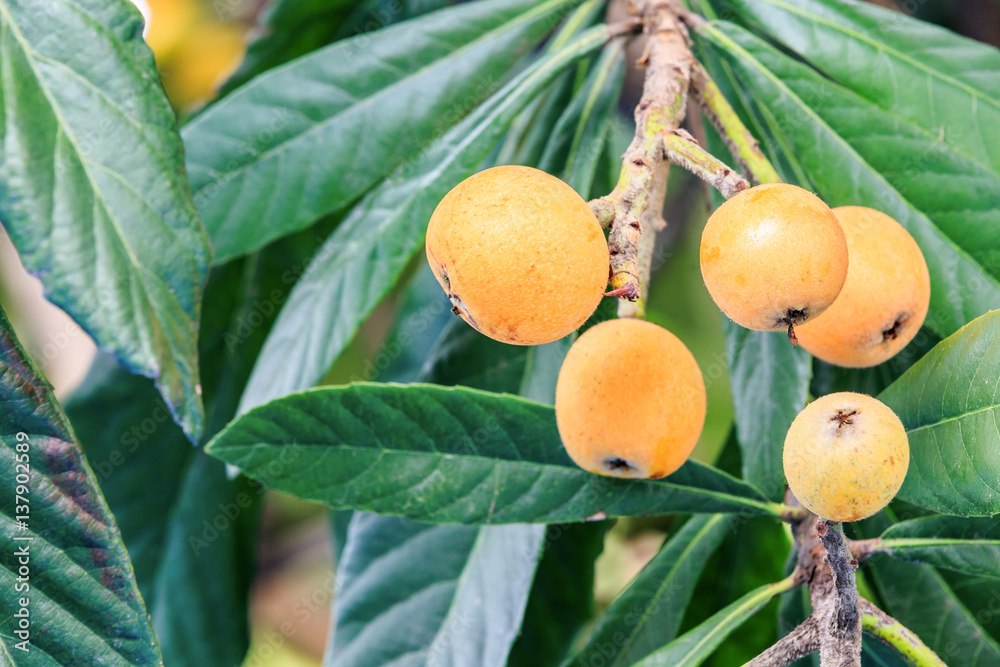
884,301
630,400
773,256
846,456
519,253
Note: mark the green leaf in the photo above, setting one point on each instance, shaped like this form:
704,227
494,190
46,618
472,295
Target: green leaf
431,595
922,72
464,356
575,143
450,455
285,30
531,130
562,597
749,557
63,566
920,598
949,402
307,138
94,194
424,313
856,153
365,256
770,382
971,546
189,530
981,596
694,646
649,612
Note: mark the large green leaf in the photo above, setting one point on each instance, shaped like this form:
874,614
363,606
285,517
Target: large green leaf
971,546
450,455
307,138
770,381
750,557
365,256
530,131
415,594
947,84
649,612
189,530
94,195
63,566
578,137
562,596
981,596
288,29
285,30
856,153
949,402
463,356
920,598
694,646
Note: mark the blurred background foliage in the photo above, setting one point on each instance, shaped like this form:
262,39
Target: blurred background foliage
199,45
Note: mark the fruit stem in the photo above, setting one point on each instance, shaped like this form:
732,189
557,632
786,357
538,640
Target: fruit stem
683,150
891,632
734,133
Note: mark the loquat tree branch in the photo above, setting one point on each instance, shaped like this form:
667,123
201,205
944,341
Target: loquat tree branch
840,641
897,636
862,549
798,643
651,222
668,62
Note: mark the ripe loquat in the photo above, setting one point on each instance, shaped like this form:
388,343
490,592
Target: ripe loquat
519,253
846,456
630,400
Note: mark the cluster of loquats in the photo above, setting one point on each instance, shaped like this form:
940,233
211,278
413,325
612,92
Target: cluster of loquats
852,287
523,260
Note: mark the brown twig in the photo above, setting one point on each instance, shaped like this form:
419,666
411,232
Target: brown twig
798,643
652,221
668,63
840,641
863,549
